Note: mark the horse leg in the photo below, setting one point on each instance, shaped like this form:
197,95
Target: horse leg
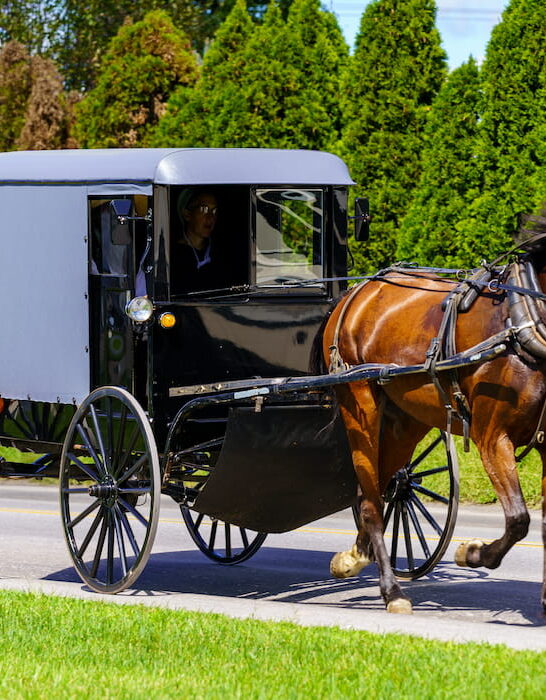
500,463
363,416
543,458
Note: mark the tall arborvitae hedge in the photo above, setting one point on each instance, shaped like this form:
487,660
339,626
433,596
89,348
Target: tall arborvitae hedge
206,115
143,65
451,178
513,128
275,84
393,77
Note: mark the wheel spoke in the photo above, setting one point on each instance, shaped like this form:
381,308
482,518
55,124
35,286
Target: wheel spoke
100,546
133,512
199,521
227,528
213,535
425,453
83,547
110,550
429,472
136,466
426,514
395,529
84,514
387,515
244,537
87,442
98,435
129,531
110,433
430,494
121,437
418,529
128,451
84,467
407,537
120,542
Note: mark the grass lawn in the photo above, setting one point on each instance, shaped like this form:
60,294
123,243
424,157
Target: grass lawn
63,648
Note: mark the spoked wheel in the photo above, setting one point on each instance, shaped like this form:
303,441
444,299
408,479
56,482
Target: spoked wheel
421,503
110,487
219,541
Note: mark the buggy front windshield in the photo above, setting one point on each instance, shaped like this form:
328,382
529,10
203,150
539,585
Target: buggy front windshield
289,235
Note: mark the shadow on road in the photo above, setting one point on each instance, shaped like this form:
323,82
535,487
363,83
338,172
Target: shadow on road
302,577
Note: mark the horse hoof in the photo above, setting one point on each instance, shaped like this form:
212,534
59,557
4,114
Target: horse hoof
400,606
461,553
347,564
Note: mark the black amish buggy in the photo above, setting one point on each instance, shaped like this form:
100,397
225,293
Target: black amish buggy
127,385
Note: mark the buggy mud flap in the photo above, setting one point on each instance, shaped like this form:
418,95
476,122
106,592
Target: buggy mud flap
280,469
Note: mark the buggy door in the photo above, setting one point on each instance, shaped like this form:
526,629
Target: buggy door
111,285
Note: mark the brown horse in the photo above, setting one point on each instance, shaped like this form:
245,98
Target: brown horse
392,319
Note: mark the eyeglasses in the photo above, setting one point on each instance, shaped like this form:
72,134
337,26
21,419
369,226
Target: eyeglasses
205,209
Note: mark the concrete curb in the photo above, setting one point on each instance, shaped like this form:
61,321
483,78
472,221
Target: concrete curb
308,615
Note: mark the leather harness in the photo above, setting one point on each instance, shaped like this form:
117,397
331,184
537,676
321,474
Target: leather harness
525,329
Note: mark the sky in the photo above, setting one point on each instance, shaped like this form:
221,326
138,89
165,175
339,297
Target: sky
465,25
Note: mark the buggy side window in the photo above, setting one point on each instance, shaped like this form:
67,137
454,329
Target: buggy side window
109,254
289,235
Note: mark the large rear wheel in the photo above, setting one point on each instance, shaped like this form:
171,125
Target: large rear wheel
110,487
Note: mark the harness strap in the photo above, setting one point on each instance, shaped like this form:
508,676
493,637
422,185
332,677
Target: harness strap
538,436
337,363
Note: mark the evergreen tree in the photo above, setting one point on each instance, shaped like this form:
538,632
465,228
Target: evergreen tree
144,63
15,87
513,128
272,85
395,73
206,114
432,231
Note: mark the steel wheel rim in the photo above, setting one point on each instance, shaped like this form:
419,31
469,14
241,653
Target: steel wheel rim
110,539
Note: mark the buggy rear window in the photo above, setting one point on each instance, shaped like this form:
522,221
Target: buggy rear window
289,236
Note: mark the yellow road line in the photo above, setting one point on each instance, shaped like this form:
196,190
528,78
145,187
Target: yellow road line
305,529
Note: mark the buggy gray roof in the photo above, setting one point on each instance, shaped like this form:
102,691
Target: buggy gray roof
171,166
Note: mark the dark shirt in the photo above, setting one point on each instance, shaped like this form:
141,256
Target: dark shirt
186,276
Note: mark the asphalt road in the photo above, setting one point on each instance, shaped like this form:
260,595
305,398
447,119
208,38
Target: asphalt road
289,577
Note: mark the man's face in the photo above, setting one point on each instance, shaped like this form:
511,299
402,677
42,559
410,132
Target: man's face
201,215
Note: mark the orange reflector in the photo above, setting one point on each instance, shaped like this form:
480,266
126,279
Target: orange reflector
167,320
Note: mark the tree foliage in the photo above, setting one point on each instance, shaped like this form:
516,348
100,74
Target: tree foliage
394,75
35,111
513,128
142,66
275,84
37,24
15,87
49,110
451,179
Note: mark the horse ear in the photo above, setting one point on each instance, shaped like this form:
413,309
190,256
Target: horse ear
362,219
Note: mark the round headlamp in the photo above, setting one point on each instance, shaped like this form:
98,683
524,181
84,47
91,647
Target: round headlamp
139,309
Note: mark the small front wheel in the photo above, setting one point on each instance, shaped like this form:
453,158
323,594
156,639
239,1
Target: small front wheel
110,488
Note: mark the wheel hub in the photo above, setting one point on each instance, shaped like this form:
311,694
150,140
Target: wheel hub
400,486
105,490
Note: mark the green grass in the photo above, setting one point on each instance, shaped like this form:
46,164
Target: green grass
62,648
